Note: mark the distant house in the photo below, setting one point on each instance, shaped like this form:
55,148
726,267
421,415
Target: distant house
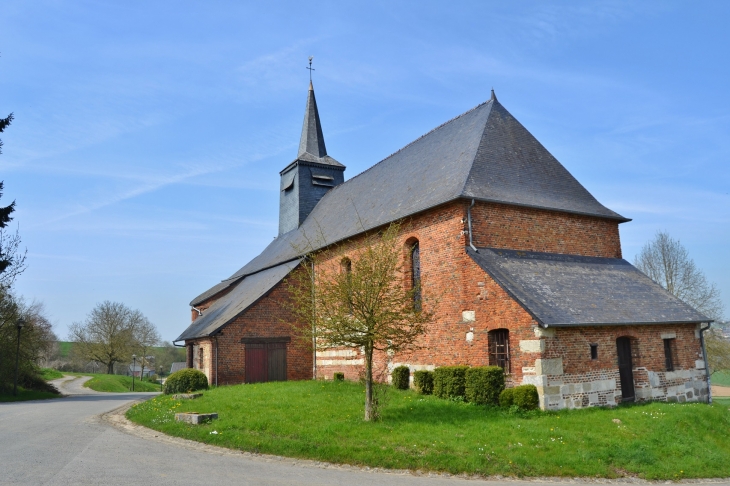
529,263
177,366
136,370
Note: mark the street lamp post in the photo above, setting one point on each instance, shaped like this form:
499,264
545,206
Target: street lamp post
134,367
159,375
19,324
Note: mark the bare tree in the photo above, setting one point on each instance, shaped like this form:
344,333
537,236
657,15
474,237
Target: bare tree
359,301
145,336
12,259
667,262
107,334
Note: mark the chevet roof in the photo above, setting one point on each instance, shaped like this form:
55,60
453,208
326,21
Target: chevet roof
569,290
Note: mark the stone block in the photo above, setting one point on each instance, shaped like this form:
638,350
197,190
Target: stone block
587,387
187,396
528,370
195,418
700,364
540,381
542,332
468,316
532,346
654,379
469,336
669,335
593,399
551,366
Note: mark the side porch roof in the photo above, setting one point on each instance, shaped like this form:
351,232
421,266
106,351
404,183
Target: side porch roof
246,293
570,290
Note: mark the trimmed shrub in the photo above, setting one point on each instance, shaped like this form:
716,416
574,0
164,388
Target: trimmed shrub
507,397
525,397
184,381
423,382
449,381
484,384
401,377
338,376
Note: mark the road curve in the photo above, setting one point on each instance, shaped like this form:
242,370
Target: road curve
85,439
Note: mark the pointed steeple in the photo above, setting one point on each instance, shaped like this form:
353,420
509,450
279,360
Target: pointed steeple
312,140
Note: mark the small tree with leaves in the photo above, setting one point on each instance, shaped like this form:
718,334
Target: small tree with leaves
359,301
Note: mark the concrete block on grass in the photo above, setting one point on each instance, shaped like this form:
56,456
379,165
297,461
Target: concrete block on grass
186,396
195,418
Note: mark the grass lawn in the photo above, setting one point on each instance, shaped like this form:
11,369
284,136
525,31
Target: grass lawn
24,395
323,421
114,383
721,378
49,374
118,383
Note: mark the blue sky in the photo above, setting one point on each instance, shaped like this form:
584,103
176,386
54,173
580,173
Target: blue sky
148,138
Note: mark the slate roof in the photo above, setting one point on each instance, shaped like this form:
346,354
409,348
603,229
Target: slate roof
311,143
177,366
569,290
483,154
244,294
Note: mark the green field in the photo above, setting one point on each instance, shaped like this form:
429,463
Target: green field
721,378
49,374
323,421
117,383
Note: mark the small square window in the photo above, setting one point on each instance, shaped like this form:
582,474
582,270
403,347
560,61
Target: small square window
594,351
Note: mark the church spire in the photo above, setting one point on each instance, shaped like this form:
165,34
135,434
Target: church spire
312,140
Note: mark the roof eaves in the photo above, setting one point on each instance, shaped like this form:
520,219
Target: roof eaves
618,217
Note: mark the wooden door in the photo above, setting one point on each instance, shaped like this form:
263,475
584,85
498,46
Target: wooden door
277,361
625,368
256,363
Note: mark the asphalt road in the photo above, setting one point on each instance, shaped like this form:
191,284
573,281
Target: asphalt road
85,439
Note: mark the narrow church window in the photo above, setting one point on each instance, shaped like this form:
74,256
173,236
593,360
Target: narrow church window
594,351
668,354
200,358
416,275
499,348
346,265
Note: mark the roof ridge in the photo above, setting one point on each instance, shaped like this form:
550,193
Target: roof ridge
416,140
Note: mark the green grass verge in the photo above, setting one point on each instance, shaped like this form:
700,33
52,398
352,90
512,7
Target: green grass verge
24,395
118,383
721,378
49,374
323,421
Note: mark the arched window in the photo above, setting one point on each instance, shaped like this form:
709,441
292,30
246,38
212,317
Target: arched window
499,348
346,267
416,275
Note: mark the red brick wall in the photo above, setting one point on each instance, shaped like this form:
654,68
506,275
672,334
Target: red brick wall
268,317
517,228
647,347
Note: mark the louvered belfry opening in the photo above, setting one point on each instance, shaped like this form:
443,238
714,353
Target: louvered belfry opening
416,275
499,348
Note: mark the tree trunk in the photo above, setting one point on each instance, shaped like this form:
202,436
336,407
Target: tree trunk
110,368
369,412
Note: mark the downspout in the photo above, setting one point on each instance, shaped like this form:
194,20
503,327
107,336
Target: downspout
707,364
468,218
200,312
314,331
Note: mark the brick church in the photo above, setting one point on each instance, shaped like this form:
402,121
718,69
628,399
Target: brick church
528,261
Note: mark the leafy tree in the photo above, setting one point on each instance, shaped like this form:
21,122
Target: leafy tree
167,354
109,334
358,301
36,339
667,262
12,260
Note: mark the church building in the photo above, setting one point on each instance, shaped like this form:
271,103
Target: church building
527,264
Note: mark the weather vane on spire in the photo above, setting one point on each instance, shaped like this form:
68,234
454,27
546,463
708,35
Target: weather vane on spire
310,68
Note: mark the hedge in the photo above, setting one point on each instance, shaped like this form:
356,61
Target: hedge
186,380
507,397
526,397
449,381
484,384
423,382
401,377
